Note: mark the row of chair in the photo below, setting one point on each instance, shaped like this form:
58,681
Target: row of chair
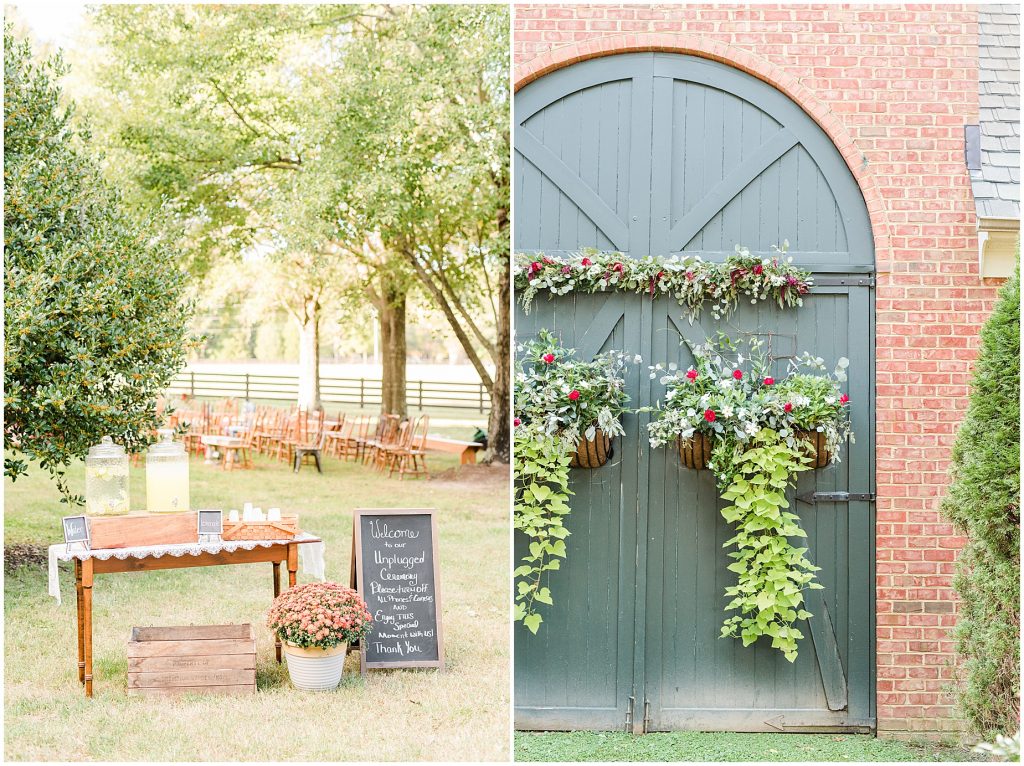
387,442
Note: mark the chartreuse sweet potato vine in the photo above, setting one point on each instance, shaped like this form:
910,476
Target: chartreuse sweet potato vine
756,424
771,573
558,400
541,504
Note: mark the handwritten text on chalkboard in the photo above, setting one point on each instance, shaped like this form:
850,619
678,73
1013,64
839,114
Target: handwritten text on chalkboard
397,576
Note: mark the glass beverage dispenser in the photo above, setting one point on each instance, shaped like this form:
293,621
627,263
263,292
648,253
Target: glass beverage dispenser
167,476
106,479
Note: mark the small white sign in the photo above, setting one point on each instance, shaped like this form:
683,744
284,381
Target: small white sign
211,526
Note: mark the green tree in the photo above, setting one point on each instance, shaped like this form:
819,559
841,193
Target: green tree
984,504
215,115
95,319
419,153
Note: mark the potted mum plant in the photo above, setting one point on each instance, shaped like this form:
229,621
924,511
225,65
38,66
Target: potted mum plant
729,397
316,623
581,402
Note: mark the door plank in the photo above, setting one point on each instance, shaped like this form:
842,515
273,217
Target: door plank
725,190
572,186
833,677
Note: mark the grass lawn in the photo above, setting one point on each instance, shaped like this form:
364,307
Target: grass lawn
723,746
408,715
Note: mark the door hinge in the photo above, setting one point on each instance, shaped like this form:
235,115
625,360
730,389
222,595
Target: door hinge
844,281
629,715
835,497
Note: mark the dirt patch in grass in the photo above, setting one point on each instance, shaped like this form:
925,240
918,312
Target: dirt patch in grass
473,477
24,555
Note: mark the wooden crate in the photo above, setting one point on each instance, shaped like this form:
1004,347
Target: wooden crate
205,659
143,529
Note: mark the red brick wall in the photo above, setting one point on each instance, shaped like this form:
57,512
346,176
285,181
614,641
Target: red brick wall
893,86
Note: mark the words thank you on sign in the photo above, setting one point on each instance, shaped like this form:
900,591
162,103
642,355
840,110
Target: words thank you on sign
395,570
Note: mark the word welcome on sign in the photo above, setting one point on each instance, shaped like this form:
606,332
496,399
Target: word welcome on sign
395,569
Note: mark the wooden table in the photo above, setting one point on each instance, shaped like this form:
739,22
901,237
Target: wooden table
85,571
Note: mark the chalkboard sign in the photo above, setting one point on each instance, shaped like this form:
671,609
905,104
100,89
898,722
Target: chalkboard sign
76,531
211,526
395,570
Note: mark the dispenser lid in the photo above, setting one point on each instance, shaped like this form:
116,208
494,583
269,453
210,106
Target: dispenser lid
166,447
106,449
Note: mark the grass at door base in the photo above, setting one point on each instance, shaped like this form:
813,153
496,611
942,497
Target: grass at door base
728,746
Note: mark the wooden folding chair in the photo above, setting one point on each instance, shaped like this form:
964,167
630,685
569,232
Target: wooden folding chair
313,447
412,458
334,437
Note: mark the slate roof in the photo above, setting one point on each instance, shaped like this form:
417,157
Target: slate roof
997,184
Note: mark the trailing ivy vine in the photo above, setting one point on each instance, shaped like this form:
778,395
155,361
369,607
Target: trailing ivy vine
559,400
759,428
542,492
771,573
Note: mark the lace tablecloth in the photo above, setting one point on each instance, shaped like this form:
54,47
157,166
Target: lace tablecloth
311,554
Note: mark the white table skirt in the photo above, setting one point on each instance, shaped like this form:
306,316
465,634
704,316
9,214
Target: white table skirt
311,555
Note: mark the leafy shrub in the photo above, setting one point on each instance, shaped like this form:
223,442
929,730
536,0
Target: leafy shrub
984,503
96,325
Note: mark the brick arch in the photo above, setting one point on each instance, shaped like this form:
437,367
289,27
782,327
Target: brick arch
752,64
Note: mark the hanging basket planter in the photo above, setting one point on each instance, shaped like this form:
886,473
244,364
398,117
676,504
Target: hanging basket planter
695,452
592,453
816,449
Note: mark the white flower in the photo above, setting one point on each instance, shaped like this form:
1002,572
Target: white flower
725,383
750,428
691,412
727,411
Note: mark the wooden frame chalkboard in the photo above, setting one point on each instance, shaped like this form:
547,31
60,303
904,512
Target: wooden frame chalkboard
357,581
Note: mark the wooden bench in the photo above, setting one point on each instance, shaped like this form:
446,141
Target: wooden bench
465,450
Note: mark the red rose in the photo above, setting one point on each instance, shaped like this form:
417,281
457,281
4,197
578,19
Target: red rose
617,267
517,422
758,268
534,267
586,262
574,395
769,381
738,374
709,415
566,269
548,358
689,275
548,260
691,374
844,399
788,407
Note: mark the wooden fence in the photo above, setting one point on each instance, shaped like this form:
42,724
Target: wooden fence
365,392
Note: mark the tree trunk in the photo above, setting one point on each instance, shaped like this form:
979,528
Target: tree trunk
309,357
391,315
499,433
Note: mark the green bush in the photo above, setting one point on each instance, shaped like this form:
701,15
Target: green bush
95,320
984,503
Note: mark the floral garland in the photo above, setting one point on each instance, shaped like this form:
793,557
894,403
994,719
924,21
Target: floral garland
688,279
755,423
558,401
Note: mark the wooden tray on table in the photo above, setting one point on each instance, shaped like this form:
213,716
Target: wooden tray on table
285,529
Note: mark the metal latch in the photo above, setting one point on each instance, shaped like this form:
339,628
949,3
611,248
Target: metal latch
844,281
647,715
629,715
835,497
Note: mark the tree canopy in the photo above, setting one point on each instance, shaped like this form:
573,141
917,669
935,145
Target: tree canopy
96,324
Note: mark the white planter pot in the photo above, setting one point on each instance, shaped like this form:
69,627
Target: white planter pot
315,669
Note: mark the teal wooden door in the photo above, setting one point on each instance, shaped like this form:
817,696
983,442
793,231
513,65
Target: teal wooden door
659,154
